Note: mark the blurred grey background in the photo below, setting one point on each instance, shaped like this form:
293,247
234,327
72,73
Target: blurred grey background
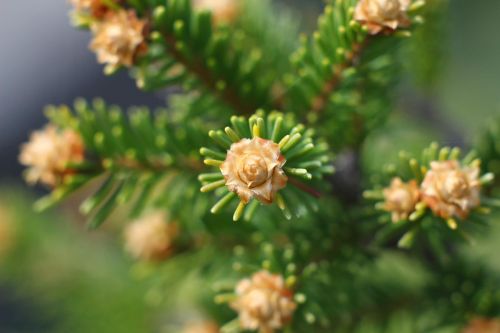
43,60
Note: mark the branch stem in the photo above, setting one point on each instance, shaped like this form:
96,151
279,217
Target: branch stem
159,166
228,95
319,103
304,187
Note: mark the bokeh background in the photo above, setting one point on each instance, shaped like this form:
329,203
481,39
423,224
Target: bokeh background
48,262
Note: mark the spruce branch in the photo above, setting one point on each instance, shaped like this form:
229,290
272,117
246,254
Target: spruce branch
260,155
256,42
227,64
321,61
343,75
321,273
319,103
437,192
196,66
178,43
138,153
304,187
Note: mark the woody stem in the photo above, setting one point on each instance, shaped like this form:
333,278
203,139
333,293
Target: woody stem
228,95
304,187
319,103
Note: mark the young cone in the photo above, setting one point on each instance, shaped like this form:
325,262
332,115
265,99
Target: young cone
382,15
263,302
151,238
47,154
118,39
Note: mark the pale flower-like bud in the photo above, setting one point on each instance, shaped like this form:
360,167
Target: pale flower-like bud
151,237
450,190
118,39
254,169
47,154
203,327
401,198
483,325
263,302
380,15
223,11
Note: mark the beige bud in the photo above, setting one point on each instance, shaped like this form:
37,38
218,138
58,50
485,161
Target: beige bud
263,302
401,198
223,11
254,169
151,237
118,39
483,325
382,15
450,190
47,154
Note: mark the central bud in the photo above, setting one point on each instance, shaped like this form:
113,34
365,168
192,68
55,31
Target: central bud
401,198
382,15
47,154
118,38
263,302
450,189
455,185
254,169
389,9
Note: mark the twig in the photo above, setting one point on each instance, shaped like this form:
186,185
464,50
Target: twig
319,102
159,166
304,187
227,95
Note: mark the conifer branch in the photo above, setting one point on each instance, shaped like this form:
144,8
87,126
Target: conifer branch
322,267
319,102
306,188
125,151
181,164
258,142
197,67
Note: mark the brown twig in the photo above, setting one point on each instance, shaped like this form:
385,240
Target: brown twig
303,187
159,165
319,102
227,95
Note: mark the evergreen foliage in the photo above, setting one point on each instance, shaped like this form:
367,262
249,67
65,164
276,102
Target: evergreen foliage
422,219
338,260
